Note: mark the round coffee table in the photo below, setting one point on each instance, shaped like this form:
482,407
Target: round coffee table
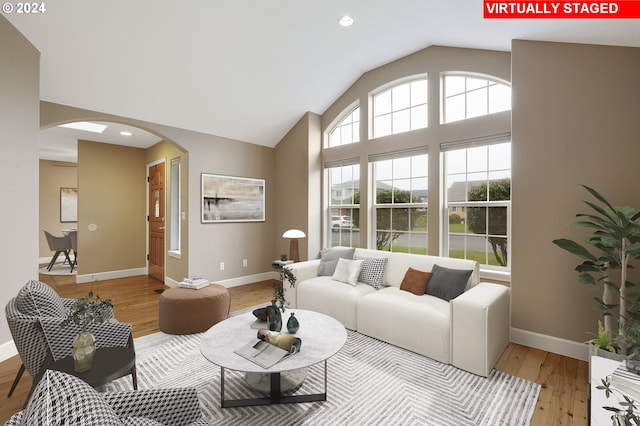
322,337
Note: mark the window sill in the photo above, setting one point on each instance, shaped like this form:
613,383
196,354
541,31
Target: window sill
491,275
175,254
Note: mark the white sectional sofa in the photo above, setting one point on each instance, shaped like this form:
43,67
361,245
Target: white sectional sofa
470,331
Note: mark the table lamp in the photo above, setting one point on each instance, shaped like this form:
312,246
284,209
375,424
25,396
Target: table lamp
293,235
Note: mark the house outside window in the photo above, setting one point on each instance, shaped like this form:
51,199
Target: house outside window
400,206
344,205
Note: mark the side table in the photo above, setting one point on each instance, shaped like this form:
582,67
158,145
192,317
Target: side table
108,365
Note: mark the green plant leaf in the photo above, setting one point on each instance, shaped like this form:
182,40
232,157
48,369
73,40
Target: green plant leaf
574,248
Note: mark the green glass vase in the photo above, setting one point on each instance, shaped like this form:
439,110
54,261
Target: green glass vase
292,324
274,317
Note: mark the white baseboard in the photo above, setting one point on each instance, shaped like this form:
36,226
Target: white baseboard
234,282
550,344
7,350
99,276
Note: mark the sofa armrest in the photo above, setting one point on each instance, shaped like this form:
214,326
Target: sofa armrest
177,406
480,327
302,271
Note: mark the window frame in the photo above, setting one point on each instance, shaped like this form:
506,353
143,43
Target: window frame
329,207
339,124
489,80
376,206
389,88
499,272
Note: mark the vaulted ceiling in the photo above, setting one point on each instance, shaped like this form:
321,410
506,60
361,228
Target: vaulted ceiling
249,69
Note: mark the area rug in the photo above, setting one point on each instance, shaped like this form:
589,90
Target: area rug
369,383
58,269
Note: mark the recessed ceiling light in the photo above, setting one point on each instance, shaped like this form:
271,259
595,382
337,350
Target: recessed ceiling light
123,133
86,126
346,21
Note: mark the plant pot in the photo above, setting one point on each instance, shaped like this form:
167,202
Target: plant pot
84,348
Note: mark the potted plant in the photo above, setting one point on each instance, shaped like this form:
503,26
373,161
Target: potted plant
83,313
616,242
279,303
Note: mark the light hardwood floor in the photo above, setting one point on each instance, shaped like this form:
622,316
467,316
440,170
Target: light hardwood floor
562,400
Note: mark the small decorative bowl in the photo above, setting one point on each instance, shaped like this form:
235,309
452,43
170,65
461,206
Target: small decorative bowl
261,313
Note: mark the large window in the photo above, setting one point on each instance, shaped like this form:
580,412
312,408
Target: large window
400,204
347,130
400,109
344,205
478,203
468,97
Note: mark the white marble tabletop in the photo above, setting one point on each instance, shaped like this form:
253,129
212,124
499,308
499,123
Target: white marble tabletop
321,335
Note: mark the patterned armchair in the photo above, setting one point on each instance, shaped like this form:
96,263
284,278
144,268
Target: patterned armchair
34,317
61,398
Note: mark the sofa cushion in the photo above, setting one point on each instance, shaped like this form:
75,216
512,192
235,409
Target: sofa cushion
329,259
447,283
60,398
372,270
38,299
347,271
415,281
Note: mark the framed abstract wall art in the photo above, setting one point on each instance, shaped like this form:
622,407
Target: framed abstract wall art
232,199
68,205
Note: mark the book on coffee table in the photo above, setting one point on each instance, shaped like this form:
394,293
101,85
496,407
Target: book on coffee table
270,348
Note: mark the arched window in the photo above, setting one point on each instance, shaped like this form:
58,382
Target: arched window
347,130
400,108
469,96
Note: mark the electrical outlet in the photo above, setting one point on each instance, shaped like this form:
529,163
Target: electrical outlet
244,262
222,266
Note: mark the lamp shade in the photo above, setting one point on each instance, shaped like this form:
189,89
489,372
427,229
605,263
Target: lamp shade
294,233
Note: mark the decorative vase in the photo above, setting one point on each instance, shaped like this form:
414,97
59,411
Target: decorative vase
293,325
274,317
84,347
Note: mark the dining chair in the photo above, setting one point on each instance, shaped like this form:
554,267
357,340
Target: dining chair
58,245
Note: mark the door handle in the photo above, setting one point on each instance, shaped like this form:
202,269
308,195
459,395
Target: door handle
161,228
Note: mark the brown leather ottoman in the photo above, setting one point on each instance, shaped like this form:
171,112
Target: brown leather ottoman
187,311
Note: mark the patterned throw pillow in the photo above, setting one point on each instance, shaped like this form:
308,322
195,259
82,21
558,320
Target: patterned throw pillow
38,299
60,398
139,421
372,270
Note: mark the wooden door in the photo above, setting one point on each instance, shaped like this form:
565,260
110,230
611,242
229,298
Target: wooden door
156,221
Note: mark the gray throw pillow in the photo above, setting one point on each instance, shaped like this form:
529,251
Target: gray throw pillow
330,257
447,284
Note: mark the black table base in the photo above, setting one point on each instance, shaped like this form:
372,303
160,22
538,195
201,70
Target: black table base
275,395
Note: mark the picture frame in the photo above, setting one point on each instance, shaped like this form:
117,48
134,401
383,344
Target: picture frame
232,199
68,205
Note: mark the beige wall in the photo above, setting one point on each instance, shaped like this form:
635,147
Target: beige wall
575,121
53,176
176,267
112,196
298,186
19,112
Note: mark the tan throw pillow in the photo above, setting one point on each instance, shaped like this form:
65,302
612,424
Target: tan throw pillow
415,281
